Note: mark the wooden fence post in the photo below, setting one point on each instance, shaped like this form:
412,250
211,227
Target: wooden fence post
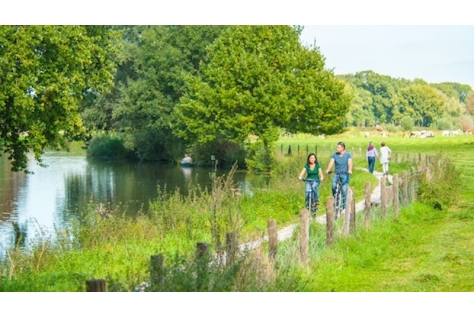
352,224
202,251
395,195
304,236
412,185
96,285
329,220
157,270
347,213
272,238
232,246
405,187
383,195
367,204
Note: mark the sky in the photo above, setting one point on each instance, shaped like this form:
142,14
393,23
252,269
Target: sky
403,39
436,53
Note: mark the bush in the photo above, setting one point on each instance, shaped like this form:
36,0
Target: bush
105,145
441,184
407,123
226,152
444,124
260,159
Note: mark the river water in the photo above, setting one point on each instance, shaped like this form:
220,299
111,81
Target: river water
54,195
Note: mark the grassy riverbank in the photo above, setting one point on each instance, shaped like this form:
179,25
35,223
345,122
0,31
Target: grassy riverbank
425,250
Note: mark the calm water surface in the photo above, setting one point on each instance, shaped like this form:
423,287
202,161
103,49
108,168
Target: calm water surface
52,196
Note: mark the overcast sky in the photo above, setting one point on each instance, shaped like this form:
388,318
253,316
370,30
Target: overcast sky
433,53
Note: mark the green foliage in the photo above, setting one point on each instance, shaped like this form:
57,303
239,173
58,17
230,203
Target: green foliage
148,84
44,72
259,159
407,123
104,145
444,124
382,99
256,80
226,152
441,184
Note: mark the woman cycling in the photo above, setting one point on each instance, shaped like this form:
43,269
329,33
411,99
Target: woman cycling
314,176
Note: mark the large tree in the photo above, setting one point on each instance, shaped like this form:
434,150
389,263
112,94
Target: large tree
44,72
148,84
257,79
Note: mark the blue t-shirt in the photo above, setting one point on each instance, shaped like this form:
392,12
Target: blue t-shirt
341,162
312,173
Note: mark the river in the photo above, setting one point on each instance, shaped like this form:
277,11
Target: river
52,196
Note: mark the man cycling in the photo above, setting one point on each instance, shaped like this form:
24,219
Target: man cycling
342,170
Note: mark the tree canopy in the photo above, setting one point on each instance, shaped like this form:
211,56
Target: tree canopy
44,72
255,80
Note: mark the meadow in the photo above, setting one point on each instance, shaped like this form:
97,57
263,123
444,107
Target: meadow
425,249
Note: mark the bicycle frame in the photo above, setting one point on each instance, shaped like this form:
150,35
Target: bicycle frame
337,197
312,208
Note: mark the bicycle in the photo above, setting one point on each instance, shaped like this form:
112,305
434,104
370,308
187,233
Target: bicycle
337,197
311,205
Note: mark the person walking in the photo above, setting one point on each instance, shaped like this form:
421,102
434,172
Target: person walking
385,154
313,171
342,162
371,156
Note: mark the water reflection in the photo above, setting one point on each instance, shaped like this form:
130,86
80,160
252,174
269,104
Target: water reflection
53,196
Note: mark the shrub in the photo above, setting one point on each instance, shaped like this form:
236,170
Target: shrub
407,123
444,124
105,145
441,184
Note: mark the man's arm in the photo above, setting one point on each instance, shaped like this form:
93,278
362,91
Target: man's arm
331,162
349,164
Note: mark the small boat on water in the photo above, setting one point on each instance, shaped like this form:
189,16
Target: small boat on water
187,161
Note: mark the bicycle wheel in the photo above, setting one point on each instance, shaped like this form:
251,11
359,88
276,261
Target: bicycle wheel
314,210
338,204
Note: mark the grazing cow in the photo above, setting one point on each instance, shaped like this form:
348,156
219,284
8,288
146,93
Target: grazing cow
385,134
367,134
406,134
379,128
445,133
456,132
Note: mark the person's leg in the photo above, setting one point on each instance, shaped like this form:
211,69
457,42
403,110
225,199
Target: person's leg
307,191
371,164
334,182
315,192
345,186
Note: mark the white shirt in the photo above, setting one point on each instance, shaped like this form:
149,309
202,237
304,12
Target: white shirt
385,152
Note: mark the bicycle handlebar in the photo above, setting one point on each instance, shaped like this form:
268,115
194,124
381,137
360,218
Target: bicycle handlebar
330,172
